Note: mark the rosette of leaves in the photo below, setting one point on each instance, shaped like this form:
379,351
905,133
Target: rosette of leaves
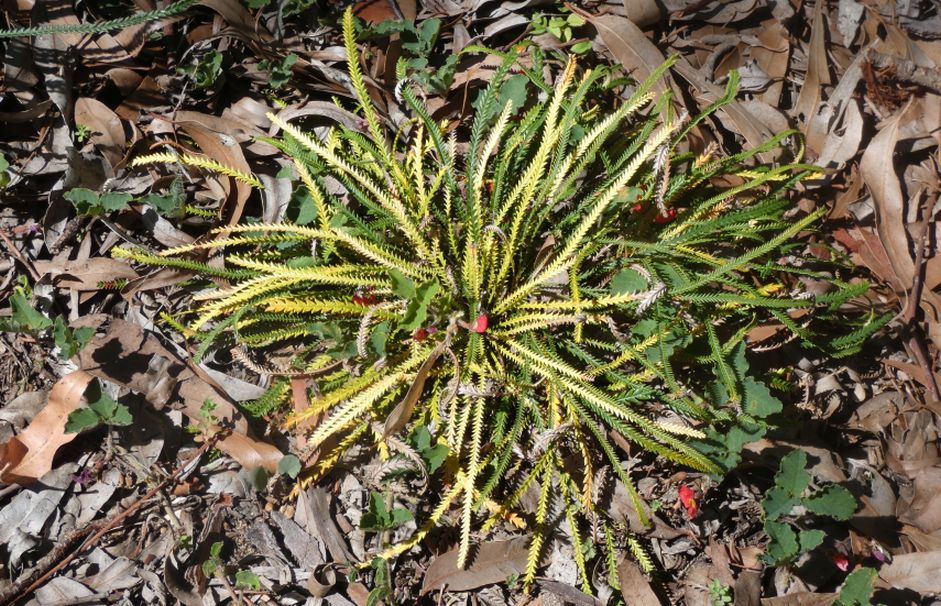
540,289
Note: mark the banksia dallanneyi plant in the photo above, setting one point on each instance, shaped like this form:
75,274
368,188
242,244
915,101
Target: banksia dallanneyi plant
524,288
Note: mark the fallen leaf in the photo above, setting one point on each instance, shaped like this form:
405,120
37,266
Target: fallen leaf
629,46
105,129
635,588
877,169
85,275
803,598
490,563
914,571
29,455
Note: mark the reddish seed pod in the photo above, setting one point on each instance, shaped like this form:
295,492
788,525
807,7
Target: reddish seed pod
637,208
420,334
480,326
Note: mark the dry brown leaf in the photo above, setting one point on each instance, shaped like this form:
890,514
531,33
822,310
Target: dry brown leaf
403,411
29,455
877,169
643,13
843,142
629,46
748,589
773,55
914,571
817,69
803,598
489,563
738,119
635,588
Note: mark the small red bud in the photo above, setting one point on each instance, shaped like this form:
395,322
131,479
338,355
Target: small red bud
637,208
480,326
420,334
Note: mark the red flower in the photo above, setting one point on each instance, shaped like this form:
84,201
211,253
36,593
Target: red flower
420,334
480,326
666,216
688,500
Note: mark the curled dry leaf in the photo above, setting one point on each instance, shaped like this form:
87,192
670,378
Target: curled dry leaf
492,563
29,455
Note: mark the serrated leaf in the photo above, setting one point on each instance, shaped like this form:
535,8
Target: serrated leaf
833,501
857,589
792,476
290,466
783,546
81,419
757,399
778,502
810,540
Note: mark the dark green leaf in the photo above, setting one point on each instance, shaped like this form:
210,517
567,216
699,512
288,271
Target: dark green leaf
810,540
378,338
417,309
402,285
25,317
857,589
834,501
85,201
783,546
400,516
778,502
81,419
792,476
758,401
114,201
